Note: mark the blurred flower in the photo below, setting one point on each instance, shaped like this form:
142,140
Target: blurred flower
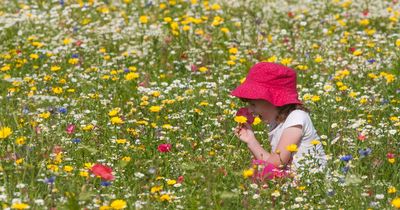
103,171
248,173
396,202
20,206
165,197
116,120
292,148
70,129
5,132
164,147
364,152
346,158
118,204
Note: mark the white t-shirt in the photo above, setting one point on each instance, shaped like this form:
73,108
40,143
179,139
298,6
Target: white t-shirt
317,153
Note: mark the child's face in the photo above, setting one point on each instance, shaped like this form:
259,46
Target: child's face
265,110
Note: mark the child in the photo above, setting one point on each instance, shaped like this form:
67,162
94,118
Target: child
270,90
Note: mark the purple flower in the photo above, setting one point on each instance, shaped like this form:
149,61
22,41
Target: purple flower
62,110
76,140
105,183
75,55
371,61
364,152
50,180
346,158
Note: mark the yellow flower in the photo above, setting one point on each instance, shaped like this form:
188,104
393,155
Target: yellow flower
34,56
143,19
292,148
357,52
84,174
248,173
240,119
20,206
118,204
155,189
114,112
391,160
131,76
286,61
126,159
396,202
398,42
44,115
391,190
315,142
318,59
171,182
203,69
57,90
116,120
55,68
5,132
88,127
73,61
121,141
256,121
233,50
155,109
165,197
68,168
20,140
315,98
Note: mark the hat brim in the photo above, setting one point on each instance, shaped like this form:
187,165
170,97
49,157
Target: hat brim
276,96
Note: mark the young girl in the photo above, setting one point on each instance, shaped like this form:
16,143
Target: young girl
270,90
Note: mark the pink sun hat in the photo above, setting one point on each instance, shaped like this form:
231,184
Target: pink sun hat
272,82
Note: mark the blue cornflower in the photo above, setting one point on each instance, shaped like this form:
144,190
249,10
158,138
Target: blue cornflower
371,61
364,152
62,110
345,169
346,158
50,180
105,183
75,55
76,140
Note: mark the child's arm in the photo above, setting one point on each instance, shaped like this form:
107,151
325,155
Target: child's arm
290,135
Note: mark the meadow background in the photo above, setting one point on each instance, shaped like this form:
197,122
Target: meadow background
143,88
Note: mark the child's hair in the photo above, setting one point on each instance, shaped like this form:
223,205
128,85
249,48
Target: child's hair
285,110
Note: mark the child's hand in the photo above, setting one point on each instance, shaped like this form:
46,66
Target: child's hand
245,133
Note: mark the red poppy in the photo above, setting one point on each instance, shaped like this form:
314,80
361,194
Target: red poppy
246,113
103,171
180,179
164,147
361,137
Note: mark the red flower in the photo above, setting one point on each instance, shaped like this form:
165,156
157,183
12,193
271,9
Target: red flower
164,147
180,179
361,137
246,113
390,155
103,171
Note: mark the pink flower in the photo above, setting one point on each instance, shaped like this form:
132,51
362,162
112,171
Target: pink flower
361,137
180,179
57,149
390,155
70,129
193,67
164,147
103,171
246,113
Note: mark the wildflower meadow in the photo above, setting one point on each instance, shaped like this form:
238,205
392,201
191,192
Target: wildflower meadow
124,104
